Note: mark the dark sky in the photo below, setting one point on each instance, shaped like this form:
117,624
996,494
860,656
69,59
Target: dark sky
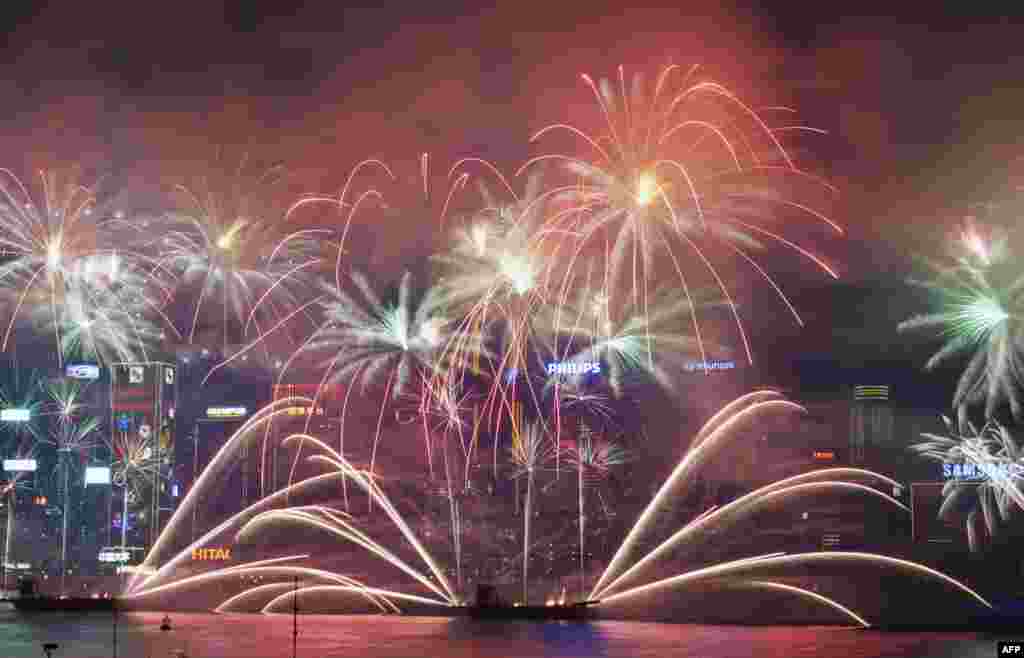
923,107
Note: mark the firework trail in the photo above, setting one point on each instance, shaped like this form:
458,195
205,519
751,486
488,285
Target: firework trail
497,277
25,448
745,409
219,462
806,484
747,565
531,450
995,464
982,297
70,433
664,174
593,459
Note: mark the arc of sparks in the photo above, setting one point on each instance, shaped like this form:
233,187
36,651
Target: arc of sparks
749,503
688,463
739,566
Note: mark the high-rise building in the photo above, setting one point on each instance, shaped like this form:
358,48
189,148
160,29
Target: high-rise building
142,403
871,424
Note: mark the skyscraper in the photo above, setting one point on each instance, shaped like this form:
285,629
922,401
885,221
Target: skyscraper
871,424
142,402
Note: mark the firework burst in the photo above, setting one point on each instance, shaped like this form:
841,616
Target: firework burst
630,339
56,269
136,463
226,239
685,165
982,296
995,458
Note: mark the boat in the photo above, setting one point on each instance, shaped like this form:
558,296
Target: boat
63,604
557,612
489,606
29,600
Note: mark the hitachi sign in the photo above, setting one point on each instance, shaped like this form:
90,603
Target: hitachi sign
573,368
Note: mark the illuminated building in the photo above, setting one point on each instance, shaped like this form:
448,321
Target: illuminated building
871,424
142,403
328,408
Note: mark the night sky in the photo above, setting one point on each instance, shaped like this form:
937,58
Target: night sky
923,109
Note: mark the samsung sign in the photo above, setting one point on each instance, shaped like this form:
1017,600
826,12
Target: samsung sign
981,471
573,368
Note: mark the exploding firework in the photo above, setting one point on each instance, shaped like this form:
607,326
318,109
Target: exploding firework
995,463
690,166
226,240
630,340
982,296
106,314
532,449
57,269
593,459
71,429
136,462
23,392
372,339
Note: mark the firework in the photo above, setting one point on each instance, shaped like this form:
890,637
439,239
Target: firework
531,449
23,392
627,338
665,174
25,449
106,313
136,462
982,301
70,429
56,268
369,338
593,459
226,240
996,463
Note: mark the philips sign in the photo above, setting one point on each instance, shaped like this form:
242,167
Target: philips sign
573,368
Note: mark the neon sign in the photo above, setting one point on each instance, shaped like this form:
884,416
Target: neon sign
107,555
305,411
220,554
15,415
981,471
20,465
573,368
226,412
97,475
694,366
82,371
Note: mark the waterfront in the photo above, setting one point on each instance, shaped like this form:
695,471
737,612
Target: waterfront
258,636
